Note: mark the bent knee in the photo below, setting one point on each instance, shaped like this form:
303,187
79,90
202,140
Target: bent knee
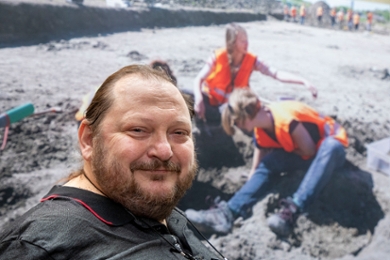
335,147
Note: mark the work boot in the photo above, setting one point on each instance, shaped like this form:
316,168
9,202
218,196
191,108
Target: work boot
218,220
282,222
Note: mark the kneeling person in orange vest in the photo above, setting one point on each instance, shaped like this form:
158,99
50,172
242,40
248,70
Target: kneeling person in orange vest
288,136
231,68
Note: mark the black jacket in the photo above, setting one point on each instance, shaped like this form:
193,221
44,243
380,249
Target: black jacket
71,223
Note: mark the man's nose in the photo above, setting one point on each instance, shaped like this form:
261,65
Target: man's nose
161,148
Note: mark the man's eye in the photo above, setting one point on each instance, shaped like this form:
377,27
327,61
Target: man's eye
181,133
137,130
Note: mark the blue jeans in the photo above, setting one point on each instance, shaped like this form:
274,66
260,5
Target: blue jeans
330,156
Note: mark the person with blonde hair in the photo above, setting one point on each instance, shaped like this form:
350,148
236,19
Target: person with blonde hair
229,68
288,136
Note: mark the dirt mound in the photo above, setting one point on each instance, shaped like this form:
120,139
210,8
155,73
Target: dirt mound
341,222
39,135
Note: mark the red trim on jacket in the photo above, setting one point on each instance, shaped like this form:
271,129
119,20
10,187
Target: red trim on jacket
52,197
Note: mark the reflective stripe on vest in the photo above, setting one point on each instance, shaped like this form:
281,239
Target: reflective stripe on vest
218,84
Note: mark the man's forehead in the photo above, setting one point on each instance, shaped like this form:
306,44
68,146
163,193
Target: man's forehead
138,91
131,82
138,84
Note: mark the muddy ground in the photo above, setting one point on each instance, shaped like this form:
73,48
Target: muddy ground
350,219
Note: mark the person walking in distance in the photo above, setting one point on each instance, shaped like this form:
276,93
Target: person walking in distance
294,14
320,12
349,19
340,19
286,13
302,14
356,21
333,16
370,17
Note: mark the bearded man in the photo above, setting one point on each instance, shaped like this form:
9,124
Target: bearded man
138,161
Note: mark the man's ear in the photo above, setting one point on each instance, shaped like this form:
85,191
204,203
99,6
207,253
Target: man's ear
85,140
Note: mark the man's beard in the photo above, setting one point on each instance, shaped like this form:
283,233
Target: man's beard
119,184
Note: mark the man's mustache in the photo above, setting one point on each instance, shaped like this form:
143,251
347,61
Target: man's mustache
155,165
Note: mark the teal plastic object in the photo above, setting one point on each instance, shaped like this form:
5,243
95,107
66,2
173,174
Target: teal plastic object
16,114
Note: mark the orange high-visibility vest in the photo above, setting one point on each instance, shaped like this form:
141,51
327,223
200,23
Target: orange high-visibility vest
293,11
219,85
284,113
369,17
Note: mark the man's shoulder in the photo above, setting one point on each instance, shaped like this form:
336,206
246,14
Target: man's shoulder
54,226
55,213
44,227
46,215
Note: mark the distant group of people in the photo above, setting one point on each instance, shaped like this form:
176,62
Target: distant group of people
290,14
350,19
136,141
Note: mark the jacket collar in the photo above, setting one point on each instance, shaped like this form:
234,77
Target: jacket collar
103,208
